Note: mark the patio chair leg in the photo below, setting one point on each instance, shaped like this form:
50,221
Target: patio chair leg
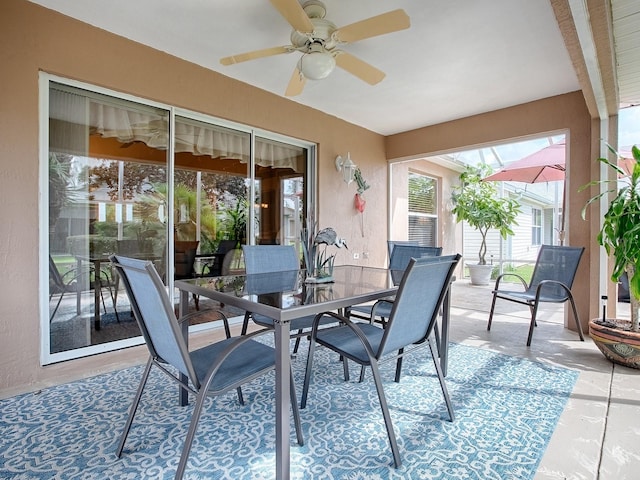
493,306
345,368
443,385
134,408
575,316
56,309
297,344
533,323
295,410
399,365
188,441
385,413
245,323
308,371
363,371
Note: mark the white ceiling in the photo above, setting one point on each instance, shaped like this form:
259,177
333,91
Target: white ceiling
458,58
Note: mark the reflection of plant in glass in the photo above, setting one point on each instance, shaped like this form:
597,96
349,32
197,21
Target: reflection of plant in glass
61,190
185,212
233,220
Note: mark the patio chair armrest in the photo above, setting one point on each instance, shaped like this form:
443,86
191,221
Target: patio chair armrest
508,274
318,317
352,325
190,316
377,304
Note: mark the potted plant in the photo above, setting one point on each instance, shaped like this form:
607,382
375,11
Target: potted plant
479,204
619,340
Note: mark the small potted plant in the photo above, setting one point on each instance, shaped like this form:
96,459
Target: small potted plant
619,340
479,204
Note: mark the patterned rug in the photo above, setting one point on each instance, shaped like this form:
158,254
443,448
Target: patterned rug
506,410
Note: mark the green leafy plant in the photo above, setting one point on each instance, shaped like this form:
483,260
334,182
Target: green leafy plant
620,232
479,204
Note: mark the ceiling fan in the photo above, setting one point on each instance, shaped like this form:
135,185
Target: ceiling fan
318,39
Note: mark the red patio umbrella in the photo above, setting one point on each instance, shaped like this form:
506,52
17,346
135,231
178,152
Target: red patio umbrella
545,165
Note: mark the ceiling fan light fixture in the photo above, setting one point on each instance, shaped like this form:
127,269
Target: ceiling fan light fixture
317,65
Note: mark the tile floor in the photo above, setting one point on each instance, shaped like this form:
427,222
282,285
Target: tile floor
598,436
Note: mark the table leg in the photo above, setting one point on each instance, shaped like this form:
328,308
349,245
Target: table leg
283,365
183,309
444,334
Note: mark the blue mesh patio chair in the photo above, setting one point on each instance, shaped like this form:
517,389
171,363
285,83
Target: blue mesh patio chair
400,253
212,370
412,319
551,282
263,259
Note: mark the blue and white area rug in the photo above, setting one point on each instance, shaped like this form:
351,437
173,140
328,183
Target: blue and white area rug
506,410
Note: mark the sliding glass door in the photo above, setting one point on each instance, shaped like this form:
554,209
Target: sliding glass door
180,190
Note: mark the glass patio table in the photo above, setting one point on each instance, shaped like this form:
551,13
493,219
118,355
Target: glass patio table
284,296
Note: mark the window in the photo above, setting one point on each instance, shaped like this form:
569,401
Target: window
120,181
423,216
536,226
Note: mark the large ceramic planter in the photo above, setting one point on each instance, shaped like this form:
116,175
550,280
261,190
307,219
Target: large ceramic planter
618,344
480,274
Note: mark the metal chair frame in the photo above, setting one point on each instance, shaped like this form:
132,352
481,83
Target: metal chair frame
551,282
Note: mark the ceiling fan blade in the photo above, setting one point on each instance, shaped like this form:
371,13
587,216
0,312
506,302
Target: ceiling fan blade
243,57
374,26
359,68
293,13
296,84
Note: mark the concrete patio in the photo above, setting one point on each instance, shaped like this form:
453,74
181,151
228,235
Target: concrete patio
597,436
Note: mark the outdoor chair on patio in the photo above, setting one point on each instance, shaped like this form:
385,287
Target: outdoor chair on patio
73,281
212,370
551,282
400,253
260,259
412,319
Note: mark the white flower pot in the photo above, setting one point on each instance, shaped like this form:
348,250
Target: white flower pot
480,274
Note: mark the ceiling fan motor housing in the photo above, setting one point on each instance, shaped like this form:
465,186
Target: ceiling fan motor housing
322,33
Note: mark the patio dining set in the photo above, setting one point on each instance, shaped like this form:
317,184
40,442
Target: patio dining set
367,316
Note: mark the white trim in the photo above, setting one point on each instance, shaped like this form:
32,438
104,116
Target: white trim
580,14
43,216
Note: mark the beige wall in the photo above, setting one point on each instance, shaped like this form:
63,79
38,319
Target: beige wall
449,233
35,39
